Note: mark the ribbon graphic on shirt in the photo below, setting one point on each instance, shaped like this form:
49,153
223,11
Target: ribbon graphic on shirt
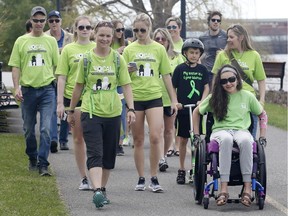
193,90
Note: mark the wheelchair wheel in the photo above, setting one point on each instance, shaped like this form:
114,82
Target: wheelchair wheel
261,175
200,172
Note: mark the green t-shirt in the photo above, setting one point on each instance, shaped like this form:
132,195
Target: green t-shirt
240,105
250,62
165,96
178,45
36,57
68,63
100,94
152,60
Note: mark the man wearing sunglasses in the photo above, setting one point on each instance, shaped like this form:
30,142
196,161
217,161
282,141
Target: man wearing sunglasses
214,40
33,59
63,38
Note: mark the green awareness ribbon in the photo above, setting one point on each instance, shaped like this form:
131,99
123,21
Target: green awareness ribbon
193,90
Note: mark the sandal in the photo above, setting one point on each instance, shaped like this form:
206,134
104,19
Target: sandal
246,199
222,199
170,152
176,153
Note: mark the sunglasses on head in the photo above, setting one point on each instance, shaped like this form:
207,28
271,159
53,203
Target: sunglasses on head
81,27
157,39
104,23
38,20
120,29
141,30
231,79
54,20
214,20
171,27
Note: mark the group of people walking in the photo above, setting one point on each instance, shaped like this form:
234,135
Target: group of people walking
105,81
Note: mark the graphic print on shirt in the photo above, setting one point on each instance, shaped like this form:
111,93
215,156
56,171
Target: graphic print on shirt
145,69
191,76
102,80
36,59
78,56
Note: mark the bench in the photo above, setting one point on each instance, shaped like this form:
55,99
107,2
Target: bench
275,70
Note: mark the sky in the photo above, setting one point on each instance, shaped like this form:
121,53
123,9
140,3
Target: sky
261,9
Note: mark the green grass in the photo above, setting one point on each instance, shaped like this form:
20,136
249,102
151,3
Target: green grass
277,115
24,192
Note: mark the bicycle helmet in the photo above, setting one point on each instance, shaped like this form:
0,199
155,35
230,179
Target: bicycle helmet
192,43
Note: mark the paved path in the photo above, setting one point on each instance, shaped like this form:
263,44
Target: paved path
176,199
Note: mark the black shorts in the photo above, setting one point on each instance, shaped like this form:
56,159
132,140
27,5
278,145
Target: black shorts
67,102
183,126
101,136
144,105
167,111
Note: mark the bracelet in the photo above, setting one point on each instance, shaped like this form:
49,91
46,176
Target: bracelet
131,110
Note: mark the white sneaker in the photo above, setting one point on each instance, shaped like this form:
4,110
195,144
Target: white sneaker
84,185
141,184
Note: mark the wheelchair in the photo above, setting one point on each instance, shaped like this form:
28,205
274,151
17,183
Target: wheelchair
206,163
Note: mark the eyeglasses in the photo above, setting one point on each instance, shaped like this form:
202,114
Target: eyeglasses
171,27
141,30
38,20
54,20
157,39
231,79
81,28
120,29
214,20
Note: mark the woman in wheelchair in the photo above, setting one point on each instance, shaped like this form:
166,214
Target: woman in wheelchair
231,107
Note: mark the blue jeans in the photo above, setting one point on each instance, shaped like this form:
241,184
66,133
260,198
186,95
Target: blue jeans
64,128
39,99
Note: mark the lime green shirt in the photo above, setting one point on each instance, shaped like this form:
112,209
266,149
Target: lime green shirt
165,96
152,60
36,58
100,94
250,62
240,105
178,45
68,63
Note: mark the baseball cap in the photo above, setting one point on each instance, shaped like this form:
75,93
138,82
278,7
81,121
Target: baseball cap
38,9
54,13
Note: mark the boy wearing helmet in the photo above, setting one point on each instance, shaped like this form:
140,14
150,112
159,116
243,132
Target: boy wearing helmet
190,80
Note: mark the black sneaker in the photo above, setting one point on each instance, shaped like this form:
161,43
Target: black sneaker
53,147
181,177
64,146
119,150
43,171
33,165
163,165
141,184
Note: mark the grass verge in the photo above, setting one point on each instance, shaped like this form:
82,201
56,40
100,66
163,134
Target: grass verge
277,115
24,192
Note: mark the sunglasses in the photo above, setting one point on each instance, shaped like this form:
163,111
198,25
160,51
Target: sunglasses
38,20
104,23
54,20
141,30
231,79
214,20
171,27
81,28
120,29
157,39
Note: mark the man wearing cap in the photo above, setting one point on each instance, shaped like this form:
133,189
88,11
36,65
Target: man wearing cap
33,59
63,38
